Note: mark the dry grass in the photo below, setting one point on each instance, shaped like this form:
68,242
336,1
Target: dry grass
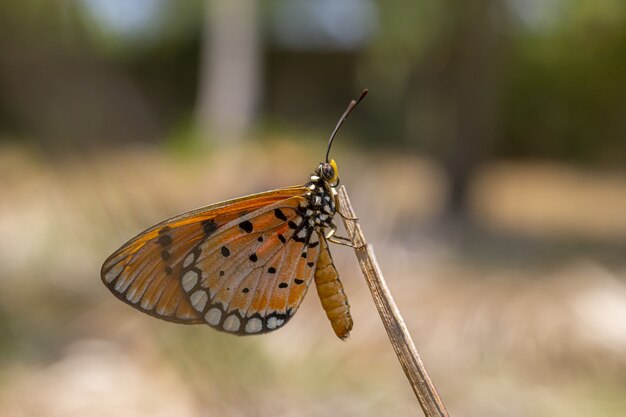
549,199
498,338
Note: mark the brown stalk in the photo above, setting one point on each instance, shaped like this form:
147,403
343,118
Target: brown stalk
392,320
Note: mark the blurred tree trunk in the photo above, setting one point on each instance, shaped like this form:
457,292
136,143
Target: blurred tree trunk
229,69
459,87
473,78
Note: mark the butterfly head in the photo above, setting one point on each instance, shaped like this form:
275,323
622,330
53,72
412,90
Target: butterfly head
328,171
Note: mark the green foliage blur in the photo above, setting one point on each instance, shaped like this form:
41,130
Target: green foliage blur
566,87
526,79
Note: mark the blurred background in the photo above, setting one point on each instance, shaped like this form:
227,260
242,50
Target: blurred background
487,166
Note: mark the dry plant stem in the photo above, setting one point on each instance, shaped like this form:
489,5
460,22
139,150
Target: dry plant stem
394,324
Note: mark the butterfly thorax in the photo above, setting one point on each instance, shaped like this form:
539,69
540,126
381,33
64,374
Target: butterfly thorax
320,206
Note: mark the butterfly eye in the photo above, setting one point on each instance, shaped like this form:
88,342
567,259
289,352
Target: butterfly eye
328,172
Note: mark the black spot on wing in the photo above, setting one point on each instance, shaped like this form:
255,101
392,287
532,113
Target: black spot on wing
254,258
298,281
225,251
282,238
209,227
271,270
280,215
165,240
246,226
283,285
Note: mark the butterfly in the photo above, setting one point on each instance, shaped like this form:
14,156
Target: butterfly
241,266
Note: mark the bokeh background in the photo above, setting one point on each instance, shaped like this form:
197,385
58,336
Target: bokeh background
487,166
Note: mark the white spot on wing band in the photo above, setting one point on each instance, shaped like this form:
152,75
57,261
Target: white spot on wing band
146,303
113,273
131,293
213,316
122,284
189,259
232,323
274,322
162,309
254,325
198,300
189,280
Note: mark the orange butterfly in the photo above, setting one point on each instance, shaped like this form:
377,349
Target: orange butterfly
241,266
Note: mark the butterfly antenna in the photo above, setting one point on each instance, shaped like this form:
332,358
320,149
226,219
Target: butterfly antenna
343,118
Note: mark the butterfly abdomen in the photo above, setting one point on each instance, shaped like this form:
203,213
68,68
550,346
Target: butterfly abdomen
332,296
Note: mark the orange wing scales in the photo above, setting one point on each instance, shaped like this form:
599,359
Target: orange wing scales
251,276
146,271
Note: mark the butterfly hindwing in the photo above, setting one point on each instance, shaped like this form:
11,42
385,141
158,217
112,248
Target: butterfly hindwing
146,272
251,276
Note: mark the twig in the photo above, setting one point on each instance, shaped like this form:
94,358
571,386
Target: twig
394,324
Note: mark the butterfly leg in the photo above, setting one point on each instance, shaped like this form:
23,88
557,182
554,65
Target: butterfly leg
336,197
339,240
346,217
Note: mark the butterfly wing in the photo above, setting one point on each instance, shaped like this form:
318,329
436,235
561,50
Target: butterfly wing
251,276
147,271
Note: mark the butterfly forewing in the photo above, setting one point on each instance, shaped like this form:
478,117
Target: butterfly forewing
146,272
